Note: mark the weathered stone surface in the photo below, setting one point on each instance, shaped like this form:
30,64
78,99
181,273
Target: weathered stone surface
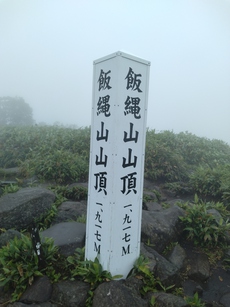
39,292
152,206
70,293
18,210
70,210
116,294
199,267
134,284
9,235
177,256
67,236
217,285
169,300
161,228
167,272
152,260
46,304
225,300
190,287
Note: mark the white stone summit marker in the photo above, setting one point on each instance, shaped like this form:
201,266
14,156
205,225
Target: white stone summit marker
118,130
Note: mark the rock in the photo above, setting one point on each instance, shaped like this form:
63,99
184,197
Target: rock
225,300
134,284
152,260
199,267
46,304
169,300
190,287
116,294
167,272
148,184
67,236
177,256
149,195
152,206
10,234
217,285
70,210
70,293
161,228
39,292
18,210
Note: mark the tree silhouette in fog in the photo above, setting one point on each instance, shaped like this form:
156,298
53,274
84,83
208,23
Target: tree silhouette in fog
14,111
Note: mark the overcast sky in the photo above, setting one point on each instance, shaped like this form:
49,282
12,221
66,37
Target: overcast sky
47,49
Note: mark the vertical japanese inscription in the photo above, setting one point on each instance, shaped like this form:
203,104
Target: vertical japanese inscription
98,227
127,225
101,158
129,181
103,104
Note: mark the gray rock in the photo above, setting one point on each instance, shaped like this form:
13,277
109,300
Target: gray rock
150,256
152,206
169,300
70,293
46,304
70,210
177,256
134,284
167,272
116,294
225,300
161,228
199,267
39,292
18,210
67,236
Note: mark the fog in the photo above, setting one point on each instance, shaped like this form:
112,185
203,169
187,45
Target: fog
47,49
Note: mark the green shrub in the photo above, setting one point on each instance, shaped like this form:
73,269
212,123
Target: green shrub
150,282
206,182
18,144
19,264
211,183
61,166
90,271
202,227
194,301
11,188
163,161
225,182
72,193
44,220
61,154
172,157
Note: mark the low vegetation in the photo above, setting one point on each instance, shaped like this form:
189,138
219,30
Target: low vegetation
182,163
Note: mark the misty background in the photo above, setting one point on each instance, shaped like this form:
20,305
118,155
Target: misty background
47,49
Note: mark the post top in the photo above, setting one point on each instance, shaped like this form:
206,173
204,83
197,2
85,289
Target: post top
124,55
